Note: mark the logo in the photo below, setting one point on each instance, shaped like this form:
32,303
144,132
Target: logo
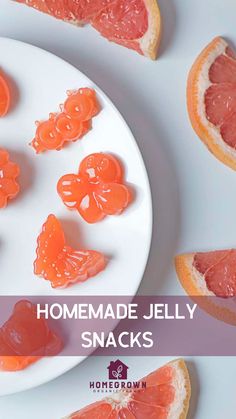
117,380
117,370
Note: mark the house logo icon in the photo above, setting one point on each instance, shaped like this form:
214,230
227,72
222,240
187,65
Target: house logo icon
117,370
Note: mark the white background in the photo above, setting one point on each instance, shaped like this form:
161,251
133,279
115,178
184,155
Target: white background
193,194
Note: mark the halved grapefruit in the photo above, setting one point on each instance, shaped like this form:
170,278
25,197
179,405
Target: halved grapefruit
166,396
210,275
135,24
211,99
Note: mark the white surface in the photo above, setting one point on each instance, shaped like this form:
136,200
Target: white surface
193,193
42,81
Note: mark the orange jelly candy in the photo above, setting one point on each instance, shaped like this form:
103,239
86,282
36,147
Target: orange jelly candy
97,190
9,171
70,124
59,263
4,96
24,339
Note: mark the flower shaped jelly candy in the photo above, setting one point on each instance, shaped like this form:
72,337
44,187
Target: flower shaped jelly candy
70,124
97,190
9,171
59,263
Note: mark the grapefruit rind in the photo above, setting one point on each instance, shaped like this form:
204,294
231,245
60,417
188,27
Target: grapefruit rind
195,286
182,385
197,84
150,42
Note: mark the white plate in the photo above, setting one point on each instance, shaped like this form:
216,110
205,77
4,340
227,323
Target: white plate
40,84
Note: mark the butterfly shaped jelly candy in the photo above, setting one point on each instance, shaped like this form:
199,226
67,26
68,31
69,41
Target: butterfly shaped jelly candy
59,263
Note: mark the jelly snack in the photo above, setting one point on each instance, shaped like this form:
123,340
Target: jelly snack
4,96
24,339
97,190
135,24
59,263
70,124
9,171
165,395
211,98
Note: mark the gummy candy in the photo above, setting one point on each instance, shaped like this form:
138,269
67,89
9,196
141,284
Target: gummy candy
24,339
61,264
70,124
97,190
4,96
9,171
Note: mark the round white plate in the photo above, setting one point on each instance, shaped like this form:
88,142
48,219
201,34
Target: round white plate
39,84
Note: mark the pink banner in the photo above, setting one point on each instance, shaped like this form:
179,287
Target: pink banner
48,326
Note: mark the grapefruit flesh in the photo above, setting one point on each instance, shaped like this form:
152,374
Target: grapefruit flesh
123,22
211,275
211,99
135,24
166,396
85,10
218,269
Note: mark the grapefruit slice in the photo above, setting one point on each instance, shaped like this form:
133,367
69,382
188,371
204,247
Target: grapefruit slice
166,396
211,100
135,24
208,275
